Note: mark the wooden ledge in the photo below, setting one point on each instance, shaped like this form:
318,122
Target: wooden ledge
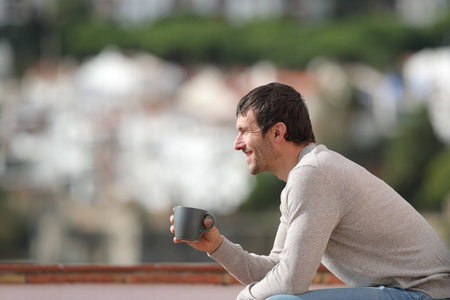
201,273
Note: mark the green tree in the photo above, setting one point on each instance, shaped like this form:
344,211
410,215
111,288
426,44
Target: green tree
13,231
407,157
435,188
265,195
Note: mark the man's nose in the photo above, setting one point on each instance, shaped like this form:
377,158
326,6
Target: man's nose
239,143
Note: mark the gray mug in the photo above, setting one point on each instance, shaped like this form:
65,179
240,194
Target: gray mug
188,222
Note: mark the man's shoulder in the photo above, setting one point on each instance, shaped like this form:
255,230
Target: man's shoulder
321,165
316,157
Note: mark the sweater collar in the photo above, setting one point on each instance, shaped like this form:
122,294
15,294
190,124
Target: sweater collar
308,148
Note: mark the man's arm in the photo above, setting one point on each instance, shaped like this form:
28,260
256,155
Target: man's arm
245,267
249,267
312,212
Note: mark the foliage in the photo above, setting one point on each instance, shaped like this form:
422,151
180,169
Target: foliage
265,195
13,231
374,40
435,189
407,160
440,30
378,40
25,41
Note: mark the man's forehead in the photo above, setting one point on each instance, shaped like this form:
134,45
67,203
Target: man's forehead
246,120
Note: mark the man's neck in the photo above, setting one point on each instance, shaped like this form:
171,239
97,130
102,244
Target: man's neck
289,159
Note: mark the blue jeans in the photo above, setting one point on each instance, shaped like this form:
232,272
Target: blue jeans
360,293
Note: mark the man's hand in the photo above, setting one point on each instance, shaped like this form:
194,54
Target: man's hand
209,241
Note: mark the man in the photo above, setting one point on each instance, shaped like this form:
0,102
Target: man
332,211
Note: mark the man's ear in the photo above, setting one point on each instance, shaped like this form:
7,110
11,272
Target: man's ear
279,130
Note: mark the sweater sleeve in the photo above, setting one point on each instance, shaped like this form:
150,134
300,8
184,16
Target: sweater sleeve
248,267
312,212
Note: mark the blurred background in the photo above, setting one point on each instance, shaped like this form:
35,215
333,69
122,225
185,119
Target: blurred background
113,111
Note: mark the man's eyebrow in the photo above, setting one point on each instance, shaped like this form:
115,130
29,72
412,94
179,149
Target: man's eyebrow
248,128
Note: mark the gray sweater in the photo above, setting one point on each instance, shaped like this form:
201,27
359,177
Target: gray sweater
335,212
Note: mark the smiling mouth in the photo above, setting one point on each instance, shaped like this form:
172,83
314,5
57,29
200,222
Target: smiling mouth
248,154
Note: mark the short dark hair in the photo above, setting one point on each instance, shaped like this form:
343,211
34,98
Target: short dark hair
276,102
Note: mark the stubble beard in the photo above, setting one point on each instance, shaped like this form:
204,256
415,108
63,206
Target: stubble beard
263,160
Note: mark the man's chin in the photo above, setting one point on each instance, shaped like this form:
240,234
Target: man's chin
254,171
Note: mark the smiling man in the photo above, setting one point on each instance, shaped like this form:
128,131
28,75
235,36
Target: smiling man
333,211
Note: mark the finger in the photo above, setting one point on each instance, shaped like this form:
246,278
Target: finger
207,222
171,219
172,229
176,241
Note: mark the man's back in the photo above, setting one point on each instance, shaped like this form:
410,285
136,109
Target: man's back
380,239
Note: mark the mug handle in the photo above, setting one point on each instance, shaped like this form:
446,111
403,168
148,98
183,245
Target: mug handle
213,219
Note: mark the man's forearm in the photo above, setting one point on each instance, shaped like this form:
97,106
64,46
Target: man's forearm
245,267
